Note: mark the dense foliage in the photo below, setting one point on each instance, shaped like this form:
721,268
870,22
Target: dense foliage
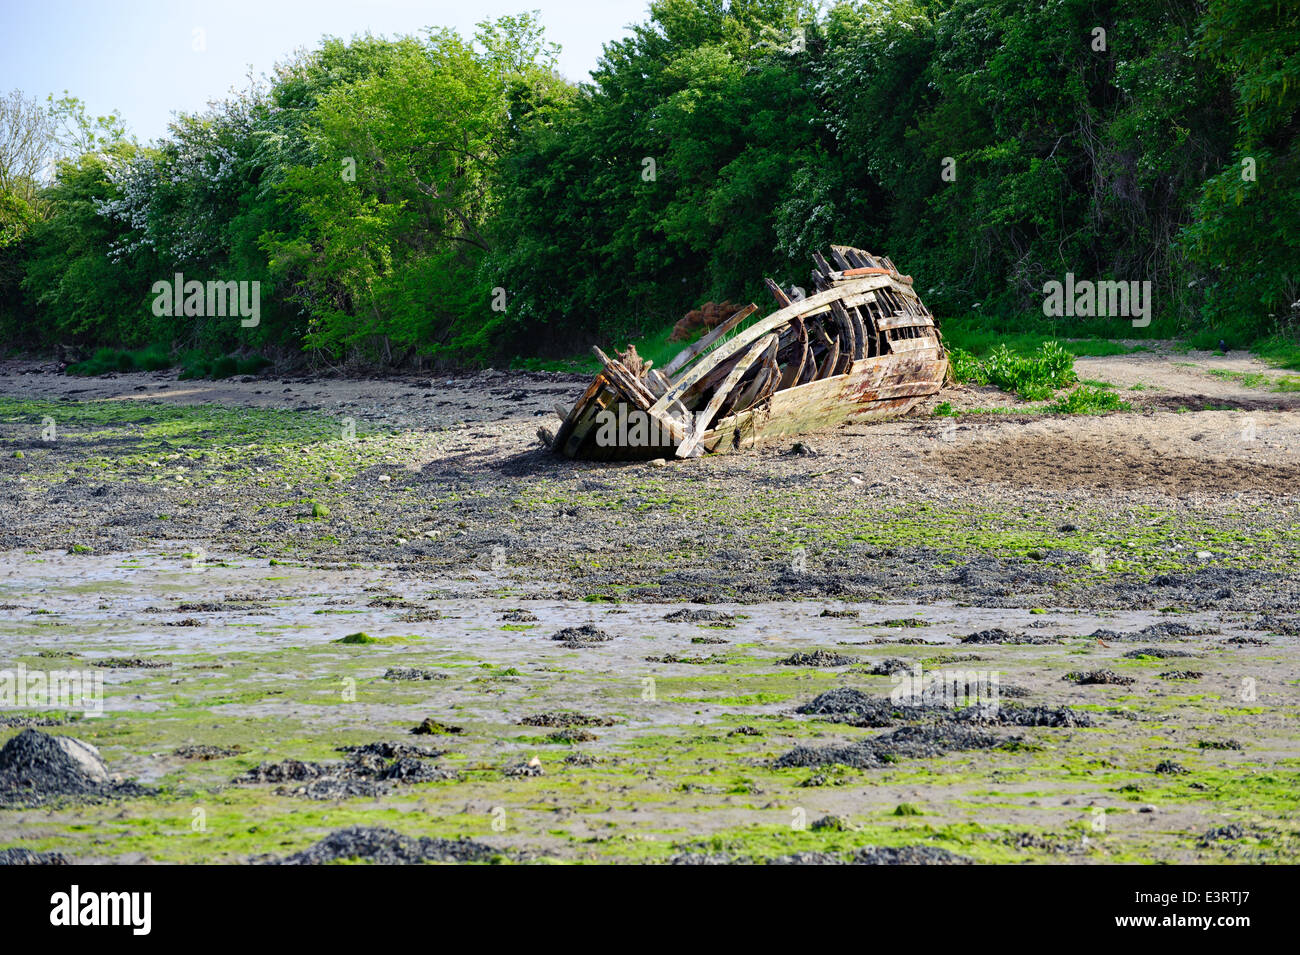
439,198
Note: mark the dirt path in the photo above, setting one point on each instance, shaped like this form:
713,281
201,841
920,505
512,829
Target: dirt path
1196,377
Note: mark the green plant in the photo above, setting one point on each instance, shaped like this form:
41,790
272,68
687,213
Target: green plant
1033,376
1087,399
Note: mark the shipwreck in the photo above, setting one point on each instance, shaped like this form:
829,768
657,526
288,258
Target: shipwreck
861,347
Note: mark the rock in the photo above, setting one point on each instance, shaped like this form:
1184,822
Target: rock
86,757
1092,677
585,636
818,658
431,727
691,615
412,673
386,847
565,720
998,635
831,824
531,768
17,856
37,768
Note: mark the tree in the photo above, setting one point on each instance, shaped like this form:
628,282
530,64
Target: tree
27,144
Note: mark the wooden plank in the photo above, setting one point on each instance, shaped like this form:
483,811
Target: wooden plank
853,301
762,385
829,366
899,345
656,382
859,333
578,434
640,396
832,401
809,372
687,354
774,321
778,293
689,447
579,406
852,349
795,369
853,256
633,390
904,321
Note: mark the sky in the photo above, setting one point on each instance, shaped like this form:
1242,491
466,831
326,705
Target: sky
148,59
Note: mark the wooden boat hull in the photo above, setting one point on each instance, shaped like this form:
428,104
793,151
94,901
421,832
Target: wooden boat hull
863,347
873,389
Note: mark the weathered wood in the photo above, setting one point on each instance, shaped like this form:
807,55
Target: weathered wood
791,372
688,353
631,387
760,387
830,402
605,397
656,382
795,368
761,328
859,333
853,301
828,367
566,427
809,372
904,321
778,293
898,345
850,347
688,447
855,258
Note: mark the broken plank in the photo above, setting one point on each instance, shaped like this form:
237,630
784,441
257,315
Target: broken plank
688,448
635,392
685,356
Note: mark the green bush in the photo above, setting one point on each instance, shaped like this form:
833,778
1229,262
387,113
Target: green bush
106,360
1088,399
1032,376
223,366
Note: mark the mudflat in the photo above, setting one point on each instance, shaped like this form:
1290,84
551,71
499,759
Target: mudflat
376,619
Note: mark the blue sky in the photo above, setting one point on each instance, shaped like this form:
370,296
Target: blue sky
139,56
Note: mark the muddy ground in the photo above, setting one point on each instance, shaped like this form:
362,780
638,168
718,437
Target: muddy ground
266,571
